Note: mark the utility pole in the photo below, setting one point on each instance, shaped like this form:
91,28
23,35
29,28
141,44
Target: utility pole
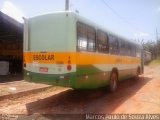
67,5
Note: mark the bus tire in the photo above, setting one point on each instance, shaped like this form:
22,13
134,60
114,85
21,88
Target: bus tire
113,81
137,73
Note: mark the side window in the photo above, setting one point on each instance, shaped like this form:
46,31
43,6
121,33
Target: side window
126,48
116,46
86,37
102,41
133,51
91,37
113,44
129,49
82,36
122,47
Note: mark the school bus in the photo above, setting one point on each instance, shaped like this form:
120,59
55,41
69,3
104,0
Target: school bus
66,49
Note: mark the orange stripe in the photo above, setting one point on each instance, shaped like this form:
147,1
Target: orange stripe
59,57
80,58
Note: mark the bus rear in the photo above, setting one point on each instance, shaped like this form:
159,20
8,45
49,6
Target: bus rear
50,49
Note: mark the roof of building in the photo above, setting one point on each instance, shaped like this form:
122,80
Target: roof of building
9,27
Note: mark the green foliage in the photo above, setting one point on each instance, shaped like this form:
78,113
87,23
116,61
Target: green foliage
153,47
155,62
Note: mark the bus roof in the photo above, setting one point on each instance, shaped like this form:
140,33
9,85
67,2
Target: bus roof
89,22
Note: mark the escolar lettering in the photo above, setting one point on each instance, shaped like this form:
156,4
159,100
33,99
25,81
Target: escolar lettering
43,57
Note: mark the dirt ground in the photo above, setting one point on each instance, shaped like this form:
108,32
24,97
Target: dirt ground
140,96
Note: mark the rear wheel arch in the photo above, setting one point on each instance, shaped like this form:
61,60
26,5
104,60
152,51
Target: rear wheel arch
113,80
115,70
138,70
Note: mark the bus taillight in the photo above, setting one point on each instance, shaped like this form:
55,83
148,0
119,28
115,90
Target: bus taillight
69,67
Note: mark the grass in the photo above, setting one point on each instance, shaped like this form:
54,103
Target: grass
154,62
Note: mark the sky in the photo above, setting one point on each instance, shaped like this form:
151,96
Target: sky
132,19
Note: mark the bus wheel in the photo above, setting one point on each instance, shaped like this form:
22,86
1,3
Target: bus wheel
113,82
137,74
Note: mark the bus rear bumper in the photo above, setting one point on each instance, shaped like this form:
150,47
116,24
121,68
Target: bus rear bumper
50,79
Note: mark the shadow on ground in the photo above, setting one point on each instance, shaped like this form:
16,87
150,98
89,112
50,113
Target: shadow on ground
87,101
11,77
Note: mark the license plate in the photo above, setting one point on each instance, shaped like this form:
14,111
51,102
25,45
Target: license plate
43,69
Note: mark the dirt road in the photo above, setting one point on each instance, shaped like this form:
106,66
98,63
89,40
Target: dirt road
132,96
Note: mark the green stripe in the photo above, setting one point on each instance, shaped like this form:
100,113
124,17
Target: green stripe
86,77
87,69
95,77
